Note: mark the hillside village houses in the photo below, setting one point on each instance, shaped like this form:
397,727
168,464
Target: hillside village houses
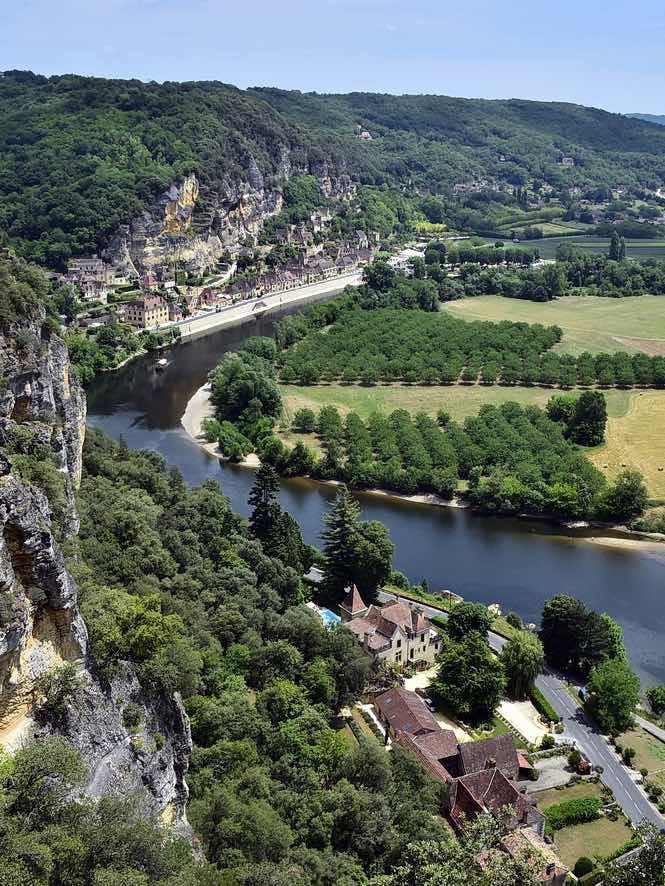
396,632
147,312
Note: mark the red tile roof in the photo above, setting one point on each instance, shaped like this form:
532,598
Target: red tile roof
406,712
353,603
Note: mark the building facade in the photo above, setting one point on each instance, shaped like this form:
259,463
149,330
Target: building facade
147,312
397,632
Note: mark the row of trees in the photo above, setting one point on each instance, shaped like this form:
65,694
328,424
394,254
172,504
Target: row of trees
513,458
378,344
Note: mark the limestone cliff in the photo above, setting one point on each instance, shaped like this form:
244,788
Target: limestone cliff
42,421
172,233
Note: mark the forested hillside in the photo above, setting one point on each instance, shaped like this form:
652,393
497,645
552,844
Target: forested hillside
79,155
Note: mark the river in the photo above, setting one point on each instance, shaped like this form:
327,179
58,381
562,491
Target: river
516,563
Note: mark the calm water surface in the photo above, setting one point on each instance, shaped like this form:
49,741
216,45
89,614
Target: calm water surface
516,563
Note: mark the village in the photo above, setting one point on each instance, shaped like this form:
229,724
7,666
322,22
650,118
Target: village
166,294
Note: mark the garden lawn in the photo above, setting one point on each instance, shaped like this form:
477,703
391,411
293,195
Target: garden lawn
650,752
582,789
600,837
589,323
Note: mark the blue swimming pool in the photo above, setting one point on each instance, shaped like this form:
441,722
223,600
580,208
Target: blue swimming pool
328,617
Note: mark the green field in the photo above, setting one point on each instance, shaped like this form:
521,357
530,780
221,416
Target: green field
634,248
589,323
599,837
635,431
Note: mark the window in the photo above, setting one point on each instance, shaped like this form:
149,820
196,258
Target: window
411,653
399,644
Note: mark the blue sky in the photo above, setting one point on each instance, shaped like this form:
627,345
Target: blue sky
607,54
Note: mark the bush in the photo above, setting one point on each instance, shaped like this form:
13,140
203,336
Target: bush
547,742
574,759
644,772
543,706
132,716
572,812
628,756
591,879
583,866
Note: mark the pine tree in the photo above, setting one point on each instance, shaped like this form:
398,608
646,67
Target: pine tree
263,501
622,249
339,541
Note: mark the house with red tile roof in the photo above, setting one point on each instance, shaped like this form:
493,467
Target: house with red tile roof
396,632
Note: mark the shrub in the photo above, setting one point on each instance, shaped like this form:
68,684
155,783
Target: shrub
591,879
132,716
628,756
583,866
644,772
547,742
572,812
574,759
543,706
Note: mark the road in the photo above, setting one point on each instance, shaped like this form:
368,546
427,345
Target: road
232,314
617,777
650,727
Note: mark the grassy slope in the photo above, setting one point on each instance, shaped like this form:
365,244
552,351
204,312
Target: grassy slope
589,323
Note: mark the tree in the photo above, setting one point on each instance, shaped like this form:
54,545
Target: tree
614,253
263,501
646,867
467,617
355,552
576,639
304,421
43,775
470,679
625,499
614,691
656,698
587,423
522,658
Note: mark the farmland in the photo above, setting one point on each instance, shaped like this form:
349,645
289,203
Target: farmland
589,323
638,249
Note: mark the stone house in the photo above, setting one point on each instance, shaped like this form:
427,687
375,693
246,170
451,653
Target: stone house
397,632
478,776
147,312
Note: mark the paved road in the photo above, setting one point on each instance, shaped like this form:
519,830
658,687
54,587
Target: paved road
648,726
586,736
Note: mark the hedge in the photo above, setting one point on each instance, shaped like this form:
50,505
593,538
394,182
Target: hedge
629,845
591,879
543,706
572,812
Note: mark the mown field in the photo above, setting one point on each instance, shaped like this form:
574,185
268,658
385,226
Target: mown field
638,249
636,418
589,323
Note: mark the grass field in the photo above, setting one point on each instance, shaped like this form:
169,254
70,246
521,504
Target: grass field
649,751
599,837
638,249
636,323
636,425
635,438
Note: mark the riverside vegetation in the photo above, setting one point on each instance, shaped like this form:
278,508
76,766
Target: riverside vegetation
509,458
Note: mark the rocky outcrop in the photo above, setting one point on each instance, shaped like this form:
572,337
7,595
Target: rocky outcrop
42,417
173,234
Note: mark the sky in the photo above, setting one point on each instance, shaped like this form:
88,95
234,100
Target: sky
605,54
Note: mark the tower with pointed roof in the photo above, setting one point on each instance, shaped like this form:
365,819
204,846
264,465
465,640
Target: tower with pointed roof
353,605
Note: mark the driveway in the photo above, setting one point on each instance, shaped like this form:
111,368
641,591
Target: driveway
553,772
524,718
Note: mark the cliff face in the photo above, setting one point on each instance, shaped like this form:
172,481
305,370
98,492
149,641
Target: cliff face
172,234
42,418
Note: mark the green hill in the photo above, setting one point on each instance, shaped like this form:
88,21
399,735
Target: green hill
79,156
649,118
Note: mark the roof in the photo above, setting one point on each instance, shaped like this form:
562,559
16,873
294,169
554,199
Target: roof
496,752
491,791
406,712
353,602
527,841
432,749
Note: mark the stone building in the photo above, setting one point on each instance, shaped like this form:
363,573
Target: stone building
397,632
147,312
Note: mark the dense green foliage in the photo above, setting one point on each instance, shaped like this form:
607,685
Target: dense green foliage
80,156
614,691
48,837
173,581
23,291
371,339
543,706
522,658
434,141
577,639
572,812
